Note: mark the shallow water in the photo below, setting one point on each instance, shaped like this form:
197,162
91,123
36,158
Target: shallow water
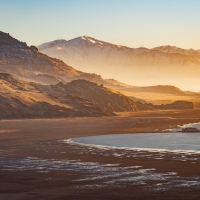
173,141
97,175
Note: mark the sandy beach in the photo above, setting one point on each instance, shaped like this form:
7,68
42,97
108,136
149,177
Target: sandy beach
37,164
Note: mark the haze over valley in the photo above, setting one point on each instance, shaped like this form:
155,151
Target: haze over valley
31,80
164,65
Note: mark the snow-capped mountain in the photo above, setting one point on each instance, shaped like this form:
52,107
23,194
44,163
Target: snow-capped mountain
135,66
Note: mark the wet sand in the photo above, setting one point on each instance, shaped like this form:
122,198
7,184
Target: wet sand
36,163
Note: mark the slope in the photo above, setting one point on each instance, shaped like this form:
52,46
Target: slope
28,63
20,99
106,98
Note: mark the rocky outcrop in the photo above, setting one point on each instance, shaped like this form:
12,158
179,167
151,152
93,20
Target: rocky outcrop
174,106
191,129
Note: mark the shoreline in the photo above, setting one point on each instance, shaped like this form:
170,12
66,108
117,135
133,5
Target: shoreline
79,174
104,147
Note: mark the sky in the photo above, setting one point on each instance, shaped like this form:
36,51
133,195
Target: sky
132,23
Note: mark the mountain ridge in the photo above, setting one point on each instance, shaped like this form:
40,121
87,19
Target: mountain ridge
164,48
27,62
133,66
21,99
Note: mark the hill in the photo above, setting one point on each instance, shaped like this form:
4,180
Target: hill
110,99
20,99
106,98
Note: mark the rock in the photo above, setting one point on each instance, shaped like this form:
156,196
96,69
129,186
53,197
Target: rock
35,49
191,129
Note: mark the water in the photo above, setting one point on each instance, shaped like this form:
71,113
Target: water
173,141
96,175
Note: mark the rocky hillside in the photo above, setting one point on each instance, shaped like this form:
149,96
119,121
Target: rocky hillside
20,99
79,98
106,98
109,99
27,62
134,66
17,53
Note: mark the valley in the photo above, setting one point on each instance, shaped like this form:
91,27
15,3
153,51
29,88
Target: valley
31,80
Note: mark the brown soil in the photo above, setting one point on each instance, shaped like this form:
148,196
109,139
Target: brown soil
40,138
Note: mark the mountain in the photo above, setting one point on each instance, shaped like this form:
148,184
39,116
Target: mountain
20,99
34,85
28,63
25,60
136,66
31,65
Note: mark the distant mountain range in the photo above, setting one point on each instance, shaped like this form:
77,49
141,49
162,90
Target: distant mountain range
136,66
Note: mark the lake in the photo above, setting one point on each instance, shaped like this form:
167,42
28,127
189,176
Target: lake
165,141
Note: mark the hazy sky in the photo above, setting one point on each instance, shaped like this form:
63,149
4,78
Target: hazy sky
132,23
